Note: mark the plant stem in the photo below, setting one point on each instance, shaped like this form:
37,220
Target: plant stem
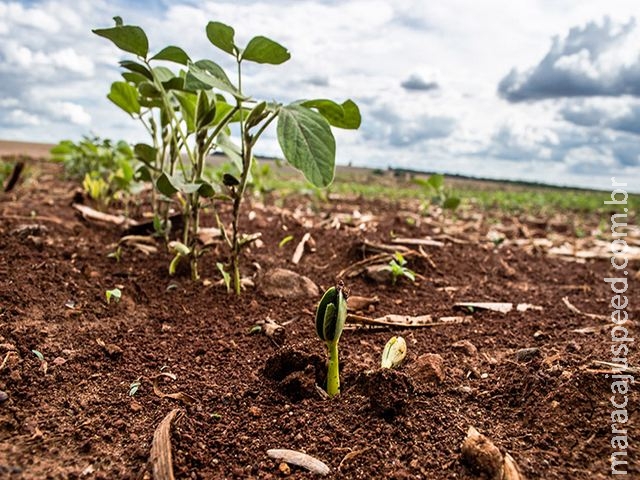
333,375
239,192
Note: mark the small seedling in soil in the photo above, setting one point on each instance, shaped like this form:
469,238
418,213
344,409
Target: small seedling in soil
226,278
394,352
43,362
285,240
114,294
135,385
330,318
116,254
397,267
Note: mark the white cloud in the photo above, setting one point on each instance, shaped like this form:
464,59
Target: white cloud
425,75
601,58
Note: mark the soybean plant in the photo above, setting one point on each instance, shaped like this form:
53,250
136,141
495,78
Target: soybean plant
330,318
190,114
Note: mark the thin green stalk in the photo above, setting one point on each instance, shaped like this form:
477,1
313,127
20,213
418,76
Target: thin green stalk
333,375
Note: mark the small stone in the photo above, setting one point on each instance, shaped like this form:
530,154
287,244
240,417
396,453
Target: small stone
466,347
135,407
284,469
428,368
59,361
540,335
3,396
255,411
527,354
284,283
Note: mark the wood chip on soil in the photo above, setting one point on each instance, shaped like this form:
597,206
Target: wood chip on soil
160,458
299,459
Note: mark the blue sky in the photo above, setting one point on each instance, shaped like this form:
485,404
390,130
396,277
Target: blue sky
541,90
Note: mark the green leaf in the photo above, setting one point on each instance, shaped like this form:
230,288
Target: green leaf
134,77
352,118
187,102
256,115
137,68
125,96
225,275
205,74
145,153
38,354
148,90
307,143
221,36
143,174
126,37
115,293
205,111
175,83
165,185
163,74
451,203
206,189
345,116
436,181
172,54
264,50
329,298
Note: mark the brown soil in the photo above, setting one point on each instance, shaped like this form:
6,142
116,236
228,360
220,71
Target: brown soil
549,408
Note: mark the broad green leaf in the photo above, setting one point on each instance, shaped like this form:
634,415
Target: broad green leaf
175,83
264,50
436,181
143,174
221,36
126,37
205,74
345,116
145,153
222,109
163,74
451,203
134,77
187,102
206,189
137,68
165,185
148,90
125,96
307,143
172,54
63,148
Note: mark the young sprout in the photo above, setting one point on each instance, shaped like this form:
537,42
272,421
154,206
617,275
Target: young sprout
397,267
394,352
114,293
330,318
181,250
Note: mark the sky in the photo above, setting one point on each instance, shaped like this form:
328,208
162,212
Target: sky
537,90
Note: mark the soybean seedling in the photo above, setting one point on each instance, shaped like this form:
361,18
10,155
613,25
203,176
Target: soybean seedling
394,352
397,267
114,294
330,318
